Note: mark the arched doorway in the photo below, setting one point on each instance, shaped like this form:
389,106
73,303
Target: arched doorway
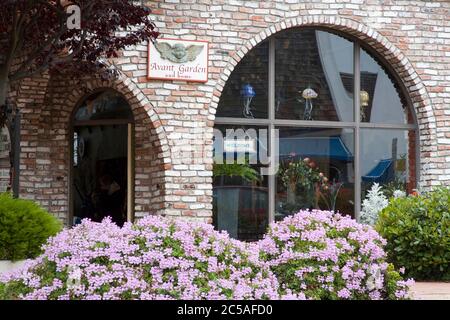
102,159
338,115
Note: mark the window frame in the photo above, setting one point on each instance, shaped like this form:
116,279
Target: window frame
271,122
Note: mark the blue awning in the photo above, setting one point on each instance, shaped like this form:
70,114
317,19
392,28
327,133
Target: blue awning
315,147
382,172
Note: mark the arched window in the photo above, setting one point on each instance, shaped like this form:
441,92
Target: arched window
335,116
104,105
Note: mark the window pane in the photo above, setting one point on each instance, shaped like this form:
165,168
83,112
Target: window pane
388,158
316,171
246,91
380,99
314,74
240,192
104,105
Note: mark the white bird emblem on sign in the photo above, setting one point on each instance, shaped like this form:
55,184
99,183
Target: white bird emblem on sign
178,53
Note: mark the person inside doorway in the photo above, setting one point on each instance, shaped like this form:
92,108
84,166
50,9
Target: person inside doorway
109,200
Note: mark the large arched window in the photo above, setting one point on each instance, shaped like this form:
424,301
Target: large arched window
334,114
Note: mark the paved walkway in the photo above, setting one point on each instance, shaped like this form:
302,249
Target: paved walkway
431,291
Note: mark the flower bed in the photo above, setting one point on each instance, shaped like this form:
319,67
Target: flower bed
158,258
321,255
154,259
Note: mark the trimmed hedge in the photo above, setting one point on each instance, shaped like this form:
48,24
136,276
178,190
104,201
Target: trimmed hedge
24,228
417,230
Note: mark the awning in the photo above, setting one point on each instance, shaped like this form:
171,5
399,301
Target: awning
382,172
315,147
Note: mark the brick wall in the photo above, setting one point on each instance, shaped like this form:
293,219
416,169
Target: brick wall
45,145
176,118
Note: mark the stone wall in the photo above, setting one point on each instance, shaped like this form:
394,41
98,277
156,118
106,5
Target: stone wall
413,37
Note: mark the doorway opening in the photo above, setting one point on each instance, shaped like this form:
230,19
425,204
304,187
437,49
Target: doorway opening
102,173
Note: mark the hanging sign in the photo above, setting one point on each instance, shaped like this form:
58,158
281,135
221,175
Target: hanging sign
171,59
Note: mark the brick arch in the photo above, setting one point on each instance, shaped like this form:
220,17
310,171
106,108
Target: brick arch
152,156
415,89
139,103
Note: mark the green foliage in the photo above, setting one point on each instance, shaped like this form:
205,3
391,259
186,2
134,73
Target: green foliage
391,280
391,187
303,182
302,173
24,227
417,229
244,170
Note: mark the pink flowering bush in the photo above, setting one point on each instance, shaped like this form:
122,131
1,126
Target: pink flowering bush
312,255
154,259
323,255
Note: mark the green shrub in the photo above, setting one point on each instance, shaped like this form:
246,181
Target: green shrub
24,227
417,230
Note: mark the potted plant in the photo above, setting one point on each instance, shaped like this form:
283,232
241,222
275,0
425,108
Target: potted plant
303,182
227,209
24,228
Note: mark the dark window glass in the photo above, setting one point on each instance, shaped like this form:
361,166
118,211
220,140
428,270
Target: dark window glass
246,91
240,191
104,105
311,77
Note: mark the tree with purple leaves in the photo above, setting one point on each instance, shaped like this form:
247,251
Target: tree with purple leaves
37,36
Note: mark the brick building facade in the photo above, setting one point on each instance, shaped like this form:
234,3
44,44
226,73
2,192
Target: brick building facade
174,120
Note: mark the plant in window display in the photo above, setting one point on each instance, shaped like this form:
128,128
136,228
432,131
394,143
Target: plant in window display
242,170
303,182
238,192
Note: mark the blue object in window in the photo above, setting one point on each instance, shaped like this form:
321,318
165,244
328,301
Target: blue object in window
383,172
247,91
315,147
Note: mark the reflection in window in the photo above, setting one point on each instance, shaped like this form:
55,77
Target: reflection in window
307,83
104,105
380,100
313,80
387,158
245,93
240,192
316,171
